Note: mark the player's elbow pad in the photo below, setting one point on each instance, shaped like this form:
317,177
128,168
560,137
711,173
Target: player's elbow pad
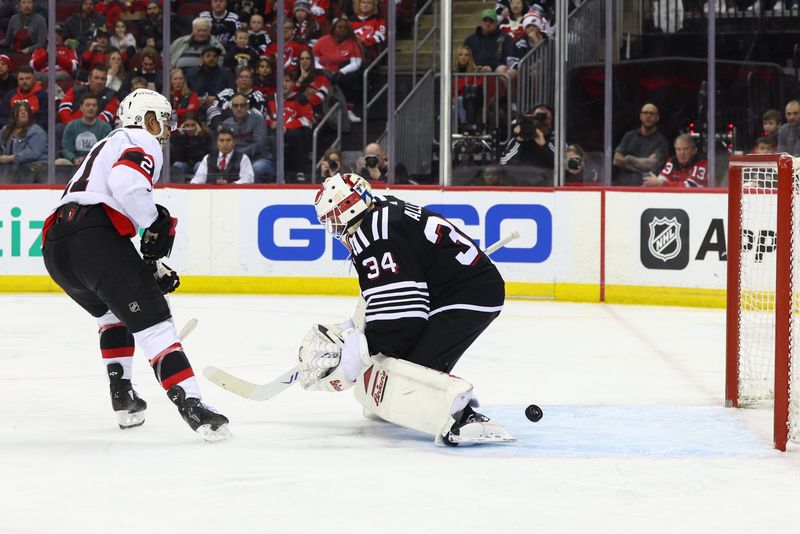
159,237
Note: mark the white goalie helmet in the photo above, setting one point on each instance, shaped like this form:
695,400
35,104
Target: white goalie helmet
342,203
134,107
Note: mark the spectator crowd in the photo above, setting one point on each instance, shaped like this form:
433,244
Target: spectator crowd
222,83
223,86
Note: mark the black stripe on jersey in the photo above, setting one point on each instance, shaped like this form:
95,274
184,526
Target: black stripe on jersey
138,160
362,238
397,300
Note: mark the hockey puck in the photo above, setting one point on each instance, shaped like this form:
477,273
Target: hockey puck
533,413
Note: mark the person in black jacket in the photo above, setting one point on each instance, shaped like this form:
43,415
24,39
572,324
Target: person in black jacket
210,78
530,154
187,147
489,45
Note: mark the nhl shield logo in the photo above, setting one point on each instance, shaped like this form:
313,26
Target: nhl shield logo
665,238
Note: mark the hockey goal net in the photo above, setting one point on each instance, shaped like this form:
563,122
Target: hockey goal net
763,332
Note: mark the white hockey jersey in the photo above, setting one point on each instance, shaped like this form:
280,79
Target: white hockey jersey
119,172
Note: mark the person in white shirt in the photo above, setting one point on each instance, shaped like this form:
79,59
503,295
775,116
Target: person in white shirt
226,165
88,252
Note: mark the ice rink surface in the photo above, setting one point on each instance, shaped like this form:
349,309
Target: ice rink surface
634,437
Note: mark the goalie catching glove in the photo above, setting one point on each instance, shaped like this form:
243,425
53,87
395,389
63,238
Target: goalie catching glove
158,238
332,357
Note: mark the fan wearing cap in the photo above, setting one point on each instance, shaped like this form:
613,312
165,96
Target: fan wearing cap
306,26
66,59
8,82
488,44
98,51
88,252
535,28
26,31
80,27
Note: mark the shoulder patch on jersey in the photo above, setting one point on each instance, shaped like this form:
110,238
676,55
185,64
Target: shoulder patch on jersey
138,160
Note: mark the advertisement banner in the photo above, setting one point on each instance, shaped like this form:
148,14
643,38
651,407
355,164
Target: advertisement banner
666,239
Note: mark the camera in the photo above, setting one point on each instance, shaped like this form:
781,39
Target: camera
371,161
574,163
527,130
333,165
540,117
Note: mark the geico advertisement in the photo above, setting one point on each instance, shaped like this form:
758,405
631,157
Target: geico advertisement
288,240
667,239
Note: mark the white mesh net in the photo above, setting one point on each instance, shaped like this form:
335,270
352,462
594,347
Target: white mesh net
757,277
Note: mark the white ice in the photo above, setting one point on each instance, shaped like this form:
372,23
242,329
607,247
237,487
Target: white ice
634,436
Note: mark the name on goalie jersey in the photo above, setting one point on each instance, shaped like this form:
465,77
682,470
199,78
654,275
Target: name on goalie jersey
291,232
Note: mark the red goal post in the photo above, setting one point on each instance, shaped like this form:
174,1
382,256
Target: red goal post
763,338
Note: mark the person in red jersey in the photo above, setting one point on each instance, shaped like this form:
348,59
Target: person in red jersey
687,168
369,27
340,55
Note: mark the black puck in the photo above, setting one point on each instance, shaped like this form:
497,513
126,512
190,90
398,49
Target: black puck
533,413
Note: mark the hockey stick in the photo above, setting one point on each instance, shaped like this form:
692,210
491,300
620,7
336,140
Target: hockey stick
262,392
503,242
188,328
249,390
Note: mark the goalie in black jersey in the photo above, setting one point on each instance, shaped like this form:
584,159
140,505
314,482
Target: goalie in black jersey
428,291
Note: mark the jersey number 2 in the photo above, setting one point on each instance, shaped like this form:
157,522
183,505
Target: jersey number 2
436,228
387,263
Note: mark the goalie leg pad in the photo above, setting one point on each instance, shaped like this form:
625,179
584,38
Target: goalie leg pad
412,396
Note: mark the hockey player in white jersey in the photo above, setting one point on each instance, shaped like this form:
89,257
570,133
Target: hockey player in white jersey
87,249
429,293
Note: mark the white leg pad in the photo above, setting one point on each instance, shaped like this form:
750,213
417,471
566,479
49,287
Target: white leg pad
412,396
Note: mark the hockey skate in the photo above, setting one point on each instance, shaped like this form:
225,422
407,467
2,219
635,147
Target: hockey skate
472,428
126,403
211,426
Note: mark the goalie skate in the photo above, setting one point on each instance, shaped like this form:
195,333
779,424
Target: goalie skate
474,429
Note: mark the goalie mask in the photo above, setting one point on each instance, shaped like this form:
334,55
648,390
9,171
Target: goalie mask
134,108
342,203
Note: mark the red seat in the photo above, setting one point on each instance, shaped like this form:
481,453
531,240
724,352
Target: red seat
66,9
192,9
18,59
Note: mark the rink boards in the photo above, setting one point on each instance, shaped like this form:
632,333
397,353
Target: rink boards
620,245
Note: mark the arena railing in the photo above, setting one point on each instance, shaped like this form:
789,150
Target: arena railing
432,34
337,142
368,102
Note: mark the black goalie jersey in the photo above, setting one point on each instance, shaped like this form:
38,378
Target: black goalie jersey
413,264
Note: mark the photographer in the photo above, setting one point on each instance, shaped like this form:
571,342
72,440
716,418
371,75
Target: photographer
576,172
331,163
532,149
373,166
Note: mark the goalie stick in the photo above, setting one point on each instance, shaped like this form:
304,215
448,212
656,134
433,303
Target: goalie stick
262,392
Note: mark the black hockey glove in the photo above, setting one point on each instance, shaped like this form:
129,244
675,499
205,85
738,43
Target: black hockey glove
166,278
158,238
